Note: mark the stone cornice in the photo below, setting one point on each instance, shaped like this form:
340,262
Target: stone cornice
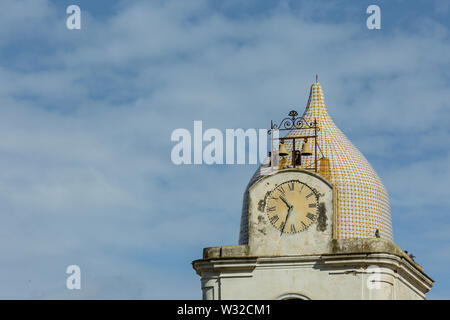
357,253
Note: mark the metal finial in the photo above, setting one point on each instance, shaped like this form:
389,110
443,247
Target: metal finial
317,78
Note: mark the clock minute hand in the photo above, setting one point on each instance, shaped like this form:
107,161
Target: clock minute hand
287,217
285,201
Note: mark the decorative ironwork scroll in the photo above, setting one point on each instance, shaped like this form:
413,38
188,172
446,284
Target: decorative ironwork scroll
291,122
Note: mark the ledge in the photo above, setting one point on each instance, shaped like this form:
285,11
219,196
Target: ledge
337,247
367,245
236,261
226,252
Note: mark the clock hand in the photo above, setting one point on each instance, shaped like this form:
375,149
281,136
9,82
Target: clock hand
285,201
287,217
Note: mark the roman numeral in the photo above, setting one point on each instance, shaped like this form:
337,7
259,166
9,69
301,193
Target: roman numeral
304,225
271,209
310,195
293,228
282,190
291,186
312,205
274,219
310,216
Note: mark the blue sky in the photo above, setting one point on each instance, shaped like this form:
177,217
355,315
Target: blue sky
86,118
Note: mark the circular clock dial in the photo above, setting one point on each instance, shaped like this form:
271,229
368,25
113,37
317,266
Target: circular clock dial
292,207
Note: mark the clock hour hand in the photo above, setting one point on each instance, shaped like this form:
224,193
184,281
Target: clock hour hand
285,201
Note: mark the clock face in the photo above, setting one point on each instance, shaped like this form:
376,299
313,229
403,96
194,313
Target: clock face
292,207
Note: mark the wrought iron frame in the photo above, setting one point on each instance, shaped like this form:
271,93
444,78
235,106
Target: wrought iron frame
293,121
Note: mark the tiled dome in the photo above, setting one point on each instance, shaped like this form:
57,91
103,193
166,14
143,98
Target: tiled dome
362,201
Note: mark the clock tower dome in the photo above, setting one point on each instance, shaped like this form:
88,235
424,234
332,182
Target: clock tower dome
315,224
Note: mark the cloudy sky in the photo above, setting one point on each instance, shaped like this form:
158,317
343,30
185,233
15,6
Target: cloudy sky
86,118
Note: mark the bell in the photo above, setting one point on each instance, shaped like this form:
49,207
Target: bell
282,151
306,149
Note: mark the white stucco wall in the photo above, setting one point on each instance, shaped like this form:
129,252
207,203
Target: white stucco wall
335,277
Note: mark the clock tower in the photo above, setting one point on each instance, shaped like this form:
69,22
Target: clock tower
315,224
